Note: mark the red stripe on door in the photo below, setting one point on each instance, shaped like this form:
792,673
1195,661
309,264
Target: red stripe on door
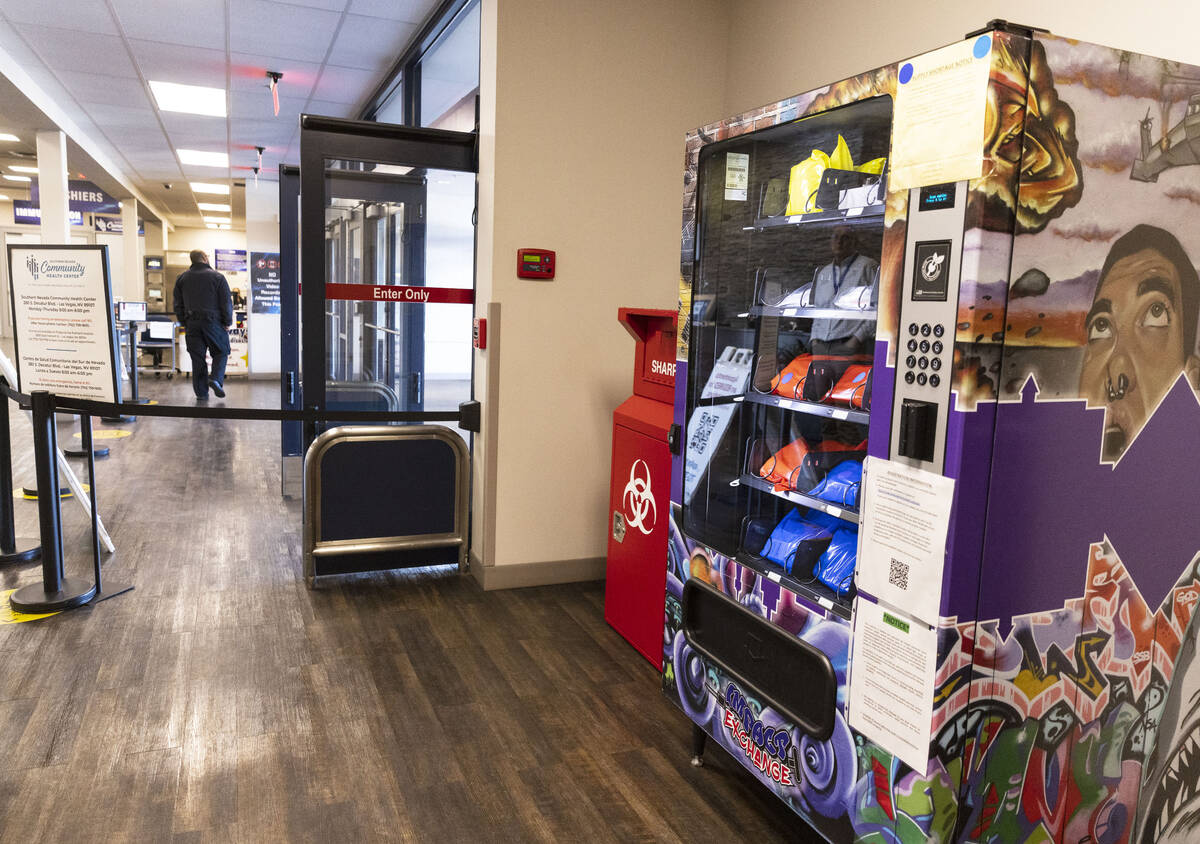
385,293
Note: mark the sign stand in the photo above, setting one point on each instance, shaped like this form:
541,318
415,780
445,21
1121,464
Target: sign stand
56,591
9,553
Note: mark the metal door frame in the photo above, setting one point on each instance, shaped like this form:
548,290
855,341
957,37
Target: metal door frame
323,139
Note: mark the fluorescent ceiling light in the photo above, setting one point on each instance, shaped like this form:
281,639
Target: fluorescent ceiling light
203,159
208,187
5,198
189,99
218,220
13,178
21,168
5,136
214,206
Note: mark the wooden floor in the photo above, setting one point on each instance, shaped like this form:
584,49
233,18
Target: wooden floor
224,701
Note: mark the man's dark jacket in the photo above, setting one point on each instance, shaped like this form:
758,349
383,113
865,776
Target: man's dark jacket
203,293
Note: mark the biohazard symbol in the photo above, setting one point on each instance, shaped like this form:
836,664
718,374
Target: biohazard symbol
637,500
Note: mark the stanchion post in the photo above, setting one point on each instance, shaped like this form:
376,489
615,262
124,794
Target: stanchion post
55,592
8,530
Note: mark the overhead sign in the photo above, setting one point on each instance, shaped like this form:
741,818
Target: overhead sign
113,225
230,260
385,293
83,197
25,211
264,282
63,321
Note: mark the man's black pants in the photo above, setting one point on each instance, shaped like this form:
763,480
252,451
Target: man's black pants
206,335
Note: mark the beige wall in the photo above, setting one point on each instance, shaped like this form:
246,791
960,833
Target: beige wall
599,180
778,48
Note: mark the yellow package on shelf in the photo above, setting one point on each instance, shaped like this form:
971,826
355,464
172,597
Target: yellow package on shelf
806,176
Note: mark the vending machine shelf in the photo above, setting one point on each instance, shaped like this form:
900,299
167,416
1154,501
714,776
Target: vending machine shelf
839,216
842,513
811,313
813,591
858,417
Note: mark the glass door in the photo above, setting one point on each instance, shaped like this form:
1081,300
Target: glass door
387,234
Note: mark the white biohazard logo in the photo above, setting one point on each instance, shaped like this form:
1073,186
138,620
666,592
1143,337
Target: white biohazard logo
931,267
637,500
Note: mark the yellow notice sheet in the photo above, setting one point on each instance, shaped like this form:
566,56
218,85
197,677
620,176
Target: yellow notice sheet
938,123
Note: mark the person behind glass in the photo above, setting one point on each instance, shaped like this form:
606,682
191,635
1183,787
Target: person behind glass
847,271
204,306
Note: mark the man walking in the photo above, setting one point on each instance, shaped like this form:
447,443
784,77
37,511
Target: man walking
204,306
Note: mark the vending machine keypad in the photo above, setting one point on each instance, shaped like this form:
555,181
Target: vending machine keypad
928,305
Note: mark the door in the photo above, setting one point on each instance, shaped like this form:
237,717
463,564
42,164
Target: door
387,240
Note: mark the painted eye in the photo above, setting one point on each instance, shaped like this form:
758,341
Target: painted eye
1158,315
1100,329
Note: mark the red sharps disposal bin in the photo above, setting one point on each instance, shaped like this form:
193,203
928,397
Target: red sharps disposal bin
640,498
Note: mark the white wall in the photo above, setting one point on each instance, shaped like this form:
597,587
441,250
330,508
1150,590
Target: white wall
262,235
582,153
184,240
778,48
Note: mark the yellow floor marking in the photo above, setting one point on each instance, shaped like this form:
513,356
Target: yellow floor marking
105,434
10,616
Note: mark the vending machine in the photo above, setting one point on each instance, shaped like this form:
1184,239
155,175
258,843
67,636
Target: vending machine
934,561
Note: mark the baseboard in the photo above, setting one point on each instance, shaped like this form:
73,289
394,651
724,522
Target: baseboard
545,573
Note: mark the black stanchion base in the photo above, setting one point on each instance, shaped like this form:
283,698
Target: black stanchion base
79,452
111,590
117,420
22,555
138,400
64,492
35,599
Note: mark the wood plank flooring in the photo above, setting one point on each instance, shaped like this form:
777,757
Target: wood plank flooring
223,701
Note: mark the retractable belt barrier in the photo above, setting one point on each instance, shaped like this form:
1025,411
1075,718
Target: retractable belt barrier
467,416
56,592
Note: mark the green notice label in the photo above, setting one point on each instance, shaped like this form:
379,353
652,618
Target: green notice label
900,625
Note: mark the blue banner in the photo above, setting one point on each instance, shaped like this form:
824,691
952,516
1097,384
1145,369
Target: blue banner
83,197
25,211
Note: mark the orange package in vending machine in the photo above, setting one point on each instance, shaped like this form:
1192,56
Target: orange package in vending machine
853,389
801,465
789,383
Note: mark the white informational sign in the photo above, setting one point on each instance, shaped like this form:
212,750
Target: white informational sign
706,428
239,352
63,321
890,699
737,175
902,536
941,101
131,311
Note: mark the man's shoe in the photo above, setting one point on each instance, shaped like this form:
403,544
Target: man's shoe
202,398
217,388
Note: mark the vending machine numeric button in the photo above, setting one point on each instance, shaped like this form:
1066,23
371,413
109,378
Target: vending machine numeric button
935,364
935,380
939,330
912,329
937,347
925,330
909,377
921,378
911,360
912,345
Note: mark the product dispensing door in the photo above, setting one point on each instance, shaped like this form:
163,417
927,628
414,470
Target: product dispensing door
386,235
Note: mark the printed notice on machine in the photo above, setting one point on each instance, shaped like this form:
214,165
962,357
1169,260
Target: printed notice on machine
892,669
63,321
941,101
905,518
737,175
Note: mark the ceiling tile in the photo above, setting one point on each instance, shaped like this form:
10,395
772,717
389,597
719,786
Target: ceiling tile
345,85
260,133
174,23
194,131
65,49
257,105
328,109
82,17
274,29
370,43
411,11
187,65
109,116
332,5
106,90
144,136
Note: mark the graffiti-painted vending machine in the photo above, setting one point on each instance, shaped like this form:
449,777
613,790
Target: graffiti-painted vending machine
935,558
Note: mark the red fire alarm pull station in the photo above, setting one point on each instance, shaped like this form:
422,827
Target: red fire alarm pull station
479,333
535,263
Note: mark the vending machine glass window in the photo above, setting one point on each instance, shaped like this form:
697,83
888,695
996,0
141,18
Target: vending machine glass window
789,233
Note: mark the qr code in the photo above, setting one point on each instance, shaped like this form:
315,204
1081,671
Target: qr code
898,574
700,432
